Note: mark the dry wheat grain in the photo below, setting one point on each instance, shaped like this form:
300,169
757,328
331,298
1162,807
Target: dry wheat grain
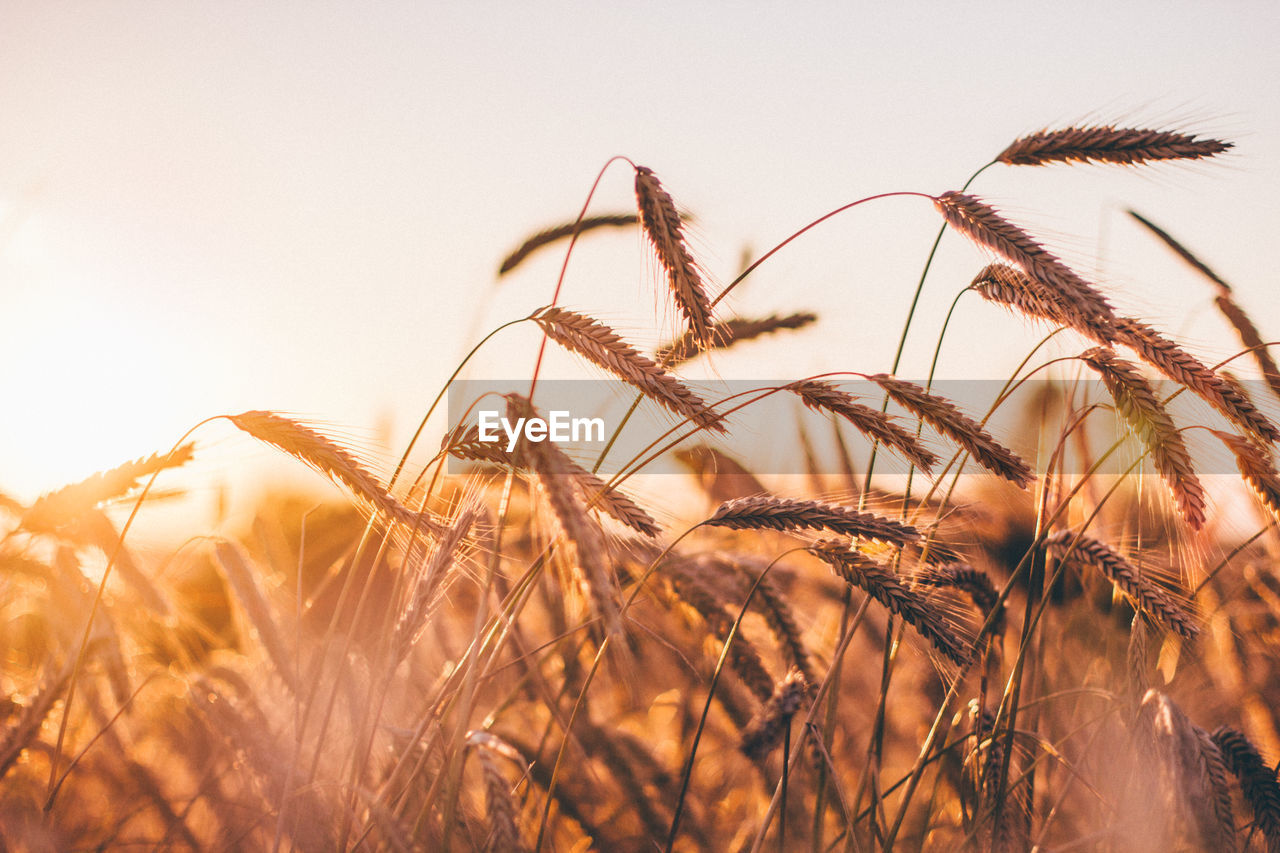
1108,144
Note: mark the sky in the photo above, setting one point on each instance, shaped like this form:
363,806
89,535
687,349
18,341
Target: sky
213,207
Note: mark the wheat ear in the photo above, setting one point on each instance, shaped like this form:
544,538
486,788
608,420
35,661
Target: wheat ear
662,224
1256,467
772,513
326,456
882,584
687,585
873,423
1182,367
975,583
601,345
235,567
464,442
1252,339
1011,287
1157,602
1257,781
1107,143
61,507
553,471
777,612
726,333
500,805
1146,415
413,619
942,415
24,730
560,232
1194,769
983,224
1234,314
763,734
1182,251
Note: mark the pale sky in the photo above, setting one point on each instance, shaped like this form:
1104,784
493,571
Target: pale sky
212,207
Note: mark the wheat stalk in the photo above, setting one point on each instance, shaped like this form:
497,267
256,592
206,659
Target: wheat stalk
1146,415
553,471
601,345
942,415
1194,771
560,232
326,456
1257,781
464,442
766,730
662,224
883,585
1256,467
726,333
1160,604
1107,144
873,423
983,224
59,508
754,513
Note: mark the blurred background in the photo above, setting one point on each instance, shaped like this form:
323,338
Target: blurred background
207,208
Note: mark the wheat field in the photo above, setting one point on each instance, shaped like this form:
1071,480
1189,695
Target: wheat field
1025,622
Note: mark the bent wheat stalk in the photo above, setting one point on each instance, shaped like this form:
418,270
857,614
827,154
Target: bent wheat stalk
601,345
665,230
326,456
